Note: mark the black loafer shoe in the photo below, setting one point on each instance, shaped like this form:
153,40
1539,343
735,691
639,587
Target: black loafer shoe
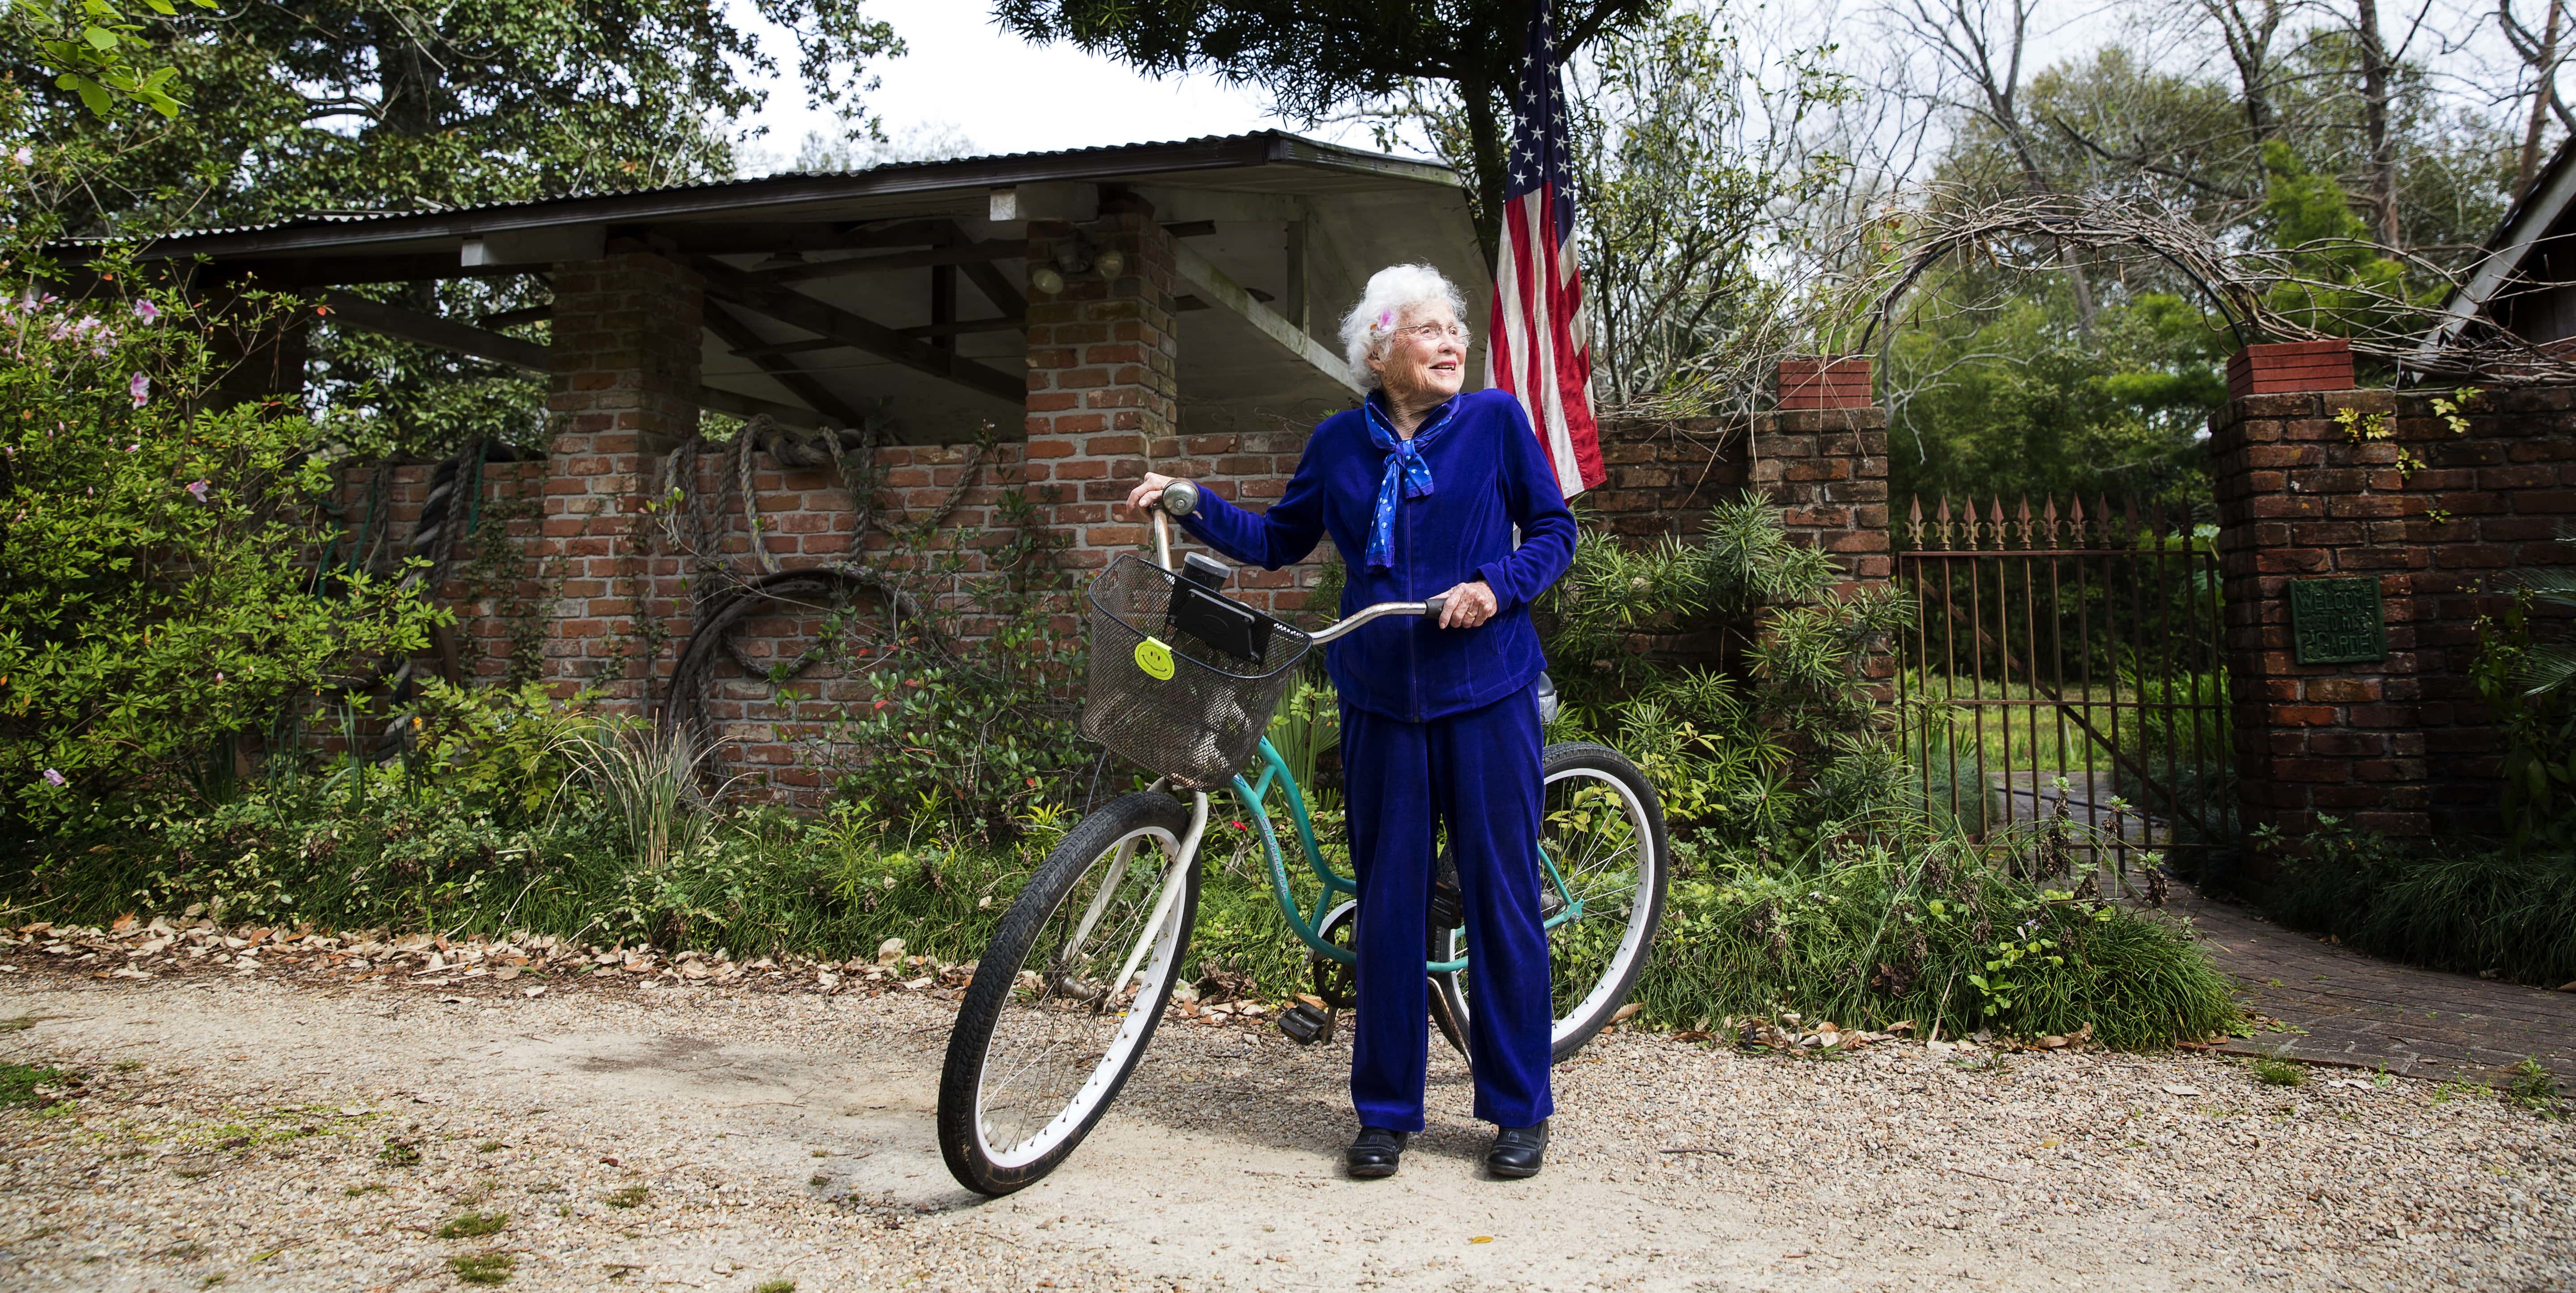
1517,1151
1375,1153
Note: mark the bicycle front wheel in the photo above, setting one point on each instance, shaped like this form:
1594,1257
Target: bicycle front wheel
1601,830
1065,999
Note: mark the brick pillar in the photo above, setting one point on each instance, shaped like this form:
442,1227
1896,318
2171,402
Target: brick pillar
1823,459
2429,499
624,390
2304,497
1103,377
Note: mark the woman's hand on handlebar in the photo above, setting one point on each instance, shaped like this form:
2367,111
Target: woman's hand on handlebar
1469,604
1148,492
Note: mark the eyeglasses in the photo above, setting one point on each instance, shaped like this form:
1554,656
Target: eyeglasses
1433,332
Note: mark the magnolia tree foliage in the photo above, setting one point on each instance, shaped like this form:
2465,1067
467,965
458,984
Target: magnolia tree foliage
157,594
298,106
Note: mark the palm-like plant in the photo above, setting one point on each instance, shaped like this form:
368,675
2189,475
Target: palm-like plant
2547,667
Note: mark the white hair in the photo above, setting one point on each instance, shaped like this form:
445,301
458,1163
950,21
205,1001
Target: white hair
1391,293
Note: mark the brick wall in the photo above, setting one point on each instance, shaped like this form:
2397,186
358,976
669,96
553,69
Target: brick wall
624,363
1827,470
1821,457
1665,475
1103,378
2403,744
572,578
509,583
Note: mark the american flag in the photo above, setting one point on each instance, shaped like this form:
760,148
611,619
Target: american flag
1539,346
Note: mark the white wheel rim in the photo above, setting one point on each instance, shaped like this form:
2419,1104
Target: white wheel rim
1632,941
1156,970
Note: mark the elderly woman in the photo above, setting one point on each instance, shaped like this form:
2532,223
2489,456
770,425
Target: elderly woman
1422,489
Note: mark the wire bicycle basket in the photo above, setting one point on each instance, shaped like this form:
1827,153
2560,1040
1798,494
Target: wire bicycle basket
1168,698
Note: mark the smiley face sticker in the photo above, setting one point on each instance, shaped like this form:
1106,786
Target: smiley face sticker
1155,659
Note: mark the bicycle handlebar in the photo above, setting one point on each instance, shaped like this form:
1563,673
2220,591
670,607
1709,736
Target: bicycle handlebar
1351,622
1181,497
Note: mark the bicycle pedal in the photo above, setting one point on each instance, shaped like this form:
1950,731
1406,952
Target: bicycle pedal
1306,1024
1448,903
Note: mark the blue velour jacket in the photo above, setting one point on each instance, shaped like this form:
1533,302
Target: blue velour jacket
1487,476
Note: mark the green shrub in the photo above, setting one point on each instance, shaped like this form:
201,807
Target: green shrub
1813,875
18,1082
2277,1072
2465,905
1927,927
484,1268
156,603
972,741
2533,1087
1793,737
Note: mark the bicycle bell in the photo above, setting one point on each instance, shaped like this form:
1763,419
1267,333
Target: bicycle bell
1181,497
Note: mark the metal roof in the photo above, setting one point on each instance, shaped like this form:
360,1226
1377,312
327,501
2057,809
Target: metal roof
2539,209
782,193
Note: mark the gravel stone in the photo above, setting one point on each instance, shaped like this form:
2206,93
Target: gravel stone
312,1122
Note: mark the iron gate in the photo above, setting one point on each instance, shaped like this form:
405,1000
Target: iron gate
2068,662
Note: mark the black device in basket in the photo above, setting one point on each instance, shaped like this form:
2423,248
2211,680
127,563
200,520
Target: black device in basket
1200,610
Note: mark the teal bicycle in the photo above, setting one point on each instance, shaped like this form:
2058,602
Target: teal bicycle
1077,977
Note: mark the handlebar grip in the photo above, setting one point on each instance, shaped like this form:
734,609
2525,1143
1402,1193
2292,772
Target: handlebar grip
1433,608
1181,497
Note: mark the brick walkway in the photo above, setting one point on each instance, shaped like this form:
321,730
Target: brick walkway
2341,1007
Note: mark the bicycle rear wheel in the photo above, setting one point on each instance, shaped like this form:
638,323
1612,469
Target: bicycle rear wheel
1065,999
1601,827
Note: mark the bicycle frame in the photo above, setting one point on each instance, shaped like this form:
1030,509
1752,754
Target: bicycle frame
1255,796
1274,771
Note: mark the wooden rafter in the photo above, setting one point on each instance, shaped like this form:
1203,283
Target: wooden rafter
1223,292
794,308
447,334
962,327
352,310
988,279
847,266
782,370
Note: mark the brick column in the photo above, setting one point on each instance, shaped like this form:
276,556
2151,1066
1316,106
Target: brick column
1103,376
624,390
1823,459
2294,502
2436,508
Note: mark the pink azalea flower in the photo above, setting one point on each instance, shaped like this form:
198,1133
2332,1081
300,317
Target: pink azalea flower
52,776
141,389
23,156
146,311
198,489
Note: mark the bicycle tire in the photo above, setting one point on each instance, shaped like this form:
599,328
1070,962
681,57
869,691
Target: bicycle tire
1003,1005
1586,1013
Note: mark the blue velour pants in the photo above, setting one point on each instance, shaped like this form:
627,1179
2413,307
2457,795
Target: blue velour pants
1478,774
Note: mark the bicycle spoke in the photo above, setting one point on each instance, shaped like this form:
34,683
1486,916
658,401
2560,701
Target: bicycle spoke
1064,1015
1593,834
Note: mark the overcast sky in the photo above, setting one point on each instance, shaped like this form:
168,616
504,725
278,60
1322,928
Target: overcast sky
964,79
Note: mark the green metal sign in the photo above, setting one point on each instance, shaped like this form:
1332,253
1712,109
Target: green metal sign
2337,621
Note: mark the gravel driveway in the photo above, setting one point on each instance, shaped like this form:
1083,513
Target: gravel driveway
260,1133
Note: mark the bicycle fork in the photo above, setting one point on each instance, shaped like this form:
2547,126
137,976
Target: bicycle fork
1175,880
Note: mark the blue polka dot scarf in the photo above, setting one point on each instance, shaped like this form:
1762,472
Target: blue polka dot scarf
1403,464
